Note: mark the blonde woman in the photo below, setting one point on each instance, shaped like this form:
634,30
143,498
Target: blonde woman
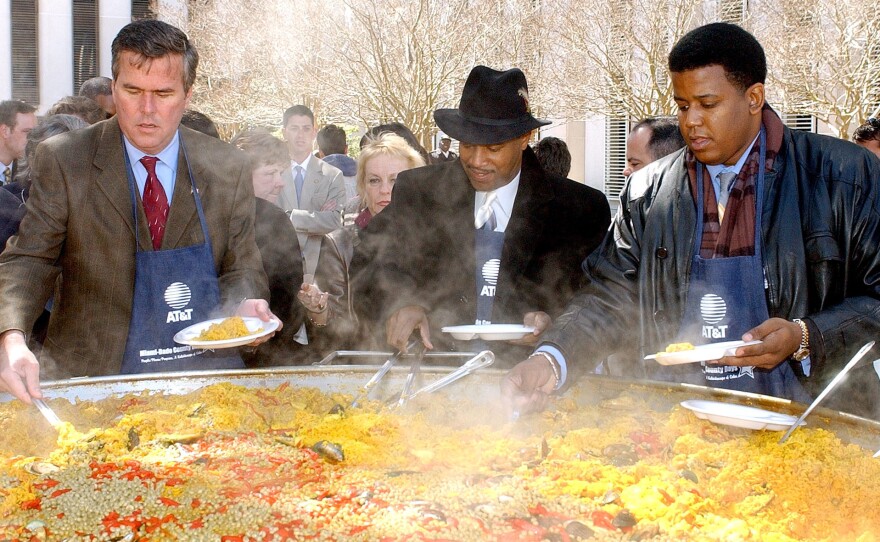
328,300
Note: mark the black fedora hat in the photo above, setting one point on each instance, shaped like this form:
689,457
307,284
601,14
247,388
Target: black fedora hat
494,108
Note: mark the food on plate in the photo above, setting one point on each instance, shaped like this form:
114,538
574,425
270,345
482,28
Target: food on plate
230,328
232,463
679,347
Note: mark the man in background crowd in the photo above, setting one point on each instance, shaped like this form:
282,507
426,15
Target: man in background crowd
314,191
333,149
553,155
443,152
649,140
78,106
868,135
17,119
100,91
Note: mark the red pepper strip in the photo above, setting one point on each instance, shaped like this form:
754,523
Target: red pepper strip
516,536
526,526
667,498
357,529
541,510
232,538
168,502
602,519
171,482
46,484
283,386
35,504
195,503
59,492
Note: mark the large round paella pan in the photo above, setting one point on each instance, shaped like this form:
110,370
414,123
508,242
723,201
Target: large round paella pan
281,455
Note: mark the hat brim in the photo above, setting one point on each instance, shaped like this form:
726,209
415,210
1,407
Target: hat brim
483,131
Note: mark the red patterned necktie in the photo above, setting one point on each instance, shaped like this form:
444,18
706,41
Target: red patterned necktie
155,202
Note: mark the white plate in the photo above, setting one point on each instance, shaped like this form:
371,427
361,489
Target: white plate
740,415
489,332
705,352
257,327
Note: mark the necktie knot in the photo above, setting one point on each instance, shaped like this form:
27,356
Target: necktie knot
485,214
725,181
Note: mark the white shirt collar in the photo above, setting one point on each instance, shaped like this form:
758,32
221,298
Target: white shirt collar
715,169
304,165
503,205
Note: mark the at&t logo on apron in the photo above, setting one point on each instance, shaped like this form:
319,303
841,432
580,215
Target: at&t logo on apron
490,277
178,296
713,309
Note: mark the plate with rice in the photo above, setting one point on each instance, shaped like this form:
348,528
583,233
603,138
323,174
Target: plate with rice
679,353
225,332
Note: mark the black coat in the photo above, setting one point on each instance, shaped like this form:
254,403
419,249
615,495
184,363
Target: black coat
11,212
420,249
282,261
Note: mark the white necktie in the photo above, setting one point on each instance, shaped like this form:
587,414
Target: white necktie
485,213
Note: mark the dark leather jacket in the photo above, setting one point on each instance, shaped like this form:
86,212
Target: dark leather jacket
821,235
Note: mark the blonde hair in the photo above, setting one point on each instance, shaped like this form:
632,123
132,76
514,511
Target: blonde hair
385,144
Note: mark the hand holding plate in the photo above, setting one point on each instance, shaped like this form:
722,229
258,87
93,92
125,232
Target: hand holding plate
779,340
259,308
540,321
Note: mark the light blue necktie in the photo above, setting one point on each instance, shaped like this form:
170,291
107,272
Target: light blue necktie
298,182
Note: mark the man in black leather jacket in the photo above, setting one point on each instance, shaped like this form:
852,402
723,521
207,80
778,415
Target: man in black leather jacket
820,232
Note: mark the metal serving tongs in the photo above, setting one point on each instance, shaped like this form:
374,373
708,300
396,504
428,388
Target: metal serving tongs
831,385
380,374
480,361
414,370
48,413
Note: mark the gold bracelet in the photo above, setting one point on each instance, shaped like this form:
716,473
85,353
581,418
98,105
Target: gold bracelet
553,366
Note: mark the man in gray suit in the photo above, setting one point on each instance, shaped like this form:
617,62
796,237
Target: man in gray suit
314,191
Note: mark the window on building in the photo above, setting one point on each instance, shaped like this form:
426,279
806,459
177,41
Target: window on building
616,129
25,57
85,42
142,9
805,123
731,11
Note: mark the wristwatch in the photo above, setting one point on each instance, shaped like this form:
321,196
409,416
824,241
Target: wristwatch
803,351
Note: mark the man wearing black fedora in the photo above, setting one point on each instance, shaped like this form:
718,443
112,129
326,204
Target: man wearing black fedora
488,238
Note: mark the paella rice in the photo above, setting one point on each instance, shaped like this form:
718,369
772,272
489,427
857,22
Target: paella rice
229,328
232,463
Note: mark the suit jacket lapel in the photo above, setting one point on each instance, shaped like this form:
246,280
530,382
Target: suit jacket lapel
183,206
287,201
112,180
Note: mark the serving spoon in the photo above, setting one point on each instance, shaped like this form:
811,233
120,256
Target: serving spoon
48,413
831,385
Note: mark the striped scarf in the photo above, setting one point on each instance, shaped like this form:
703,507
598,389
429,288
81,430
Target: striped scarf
736,235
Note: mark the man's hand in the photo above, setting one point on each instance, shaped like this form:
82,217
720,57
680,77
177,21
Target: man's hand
540,321
400,326
781,339
19,368
260,309
527,386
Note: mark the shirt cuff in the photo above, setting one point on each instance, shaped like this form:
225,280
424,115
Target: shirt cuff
806,365
560,359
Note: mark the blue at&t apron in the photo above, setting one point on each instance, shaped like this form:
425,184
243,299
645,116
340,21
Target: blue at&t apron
173,289
488,247
725,299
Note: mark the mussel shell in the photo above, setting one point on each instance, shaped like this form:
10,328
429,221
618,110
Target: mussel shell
624,519
39,468
337,409
689,475
330,451
134,439
610,496
578,531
